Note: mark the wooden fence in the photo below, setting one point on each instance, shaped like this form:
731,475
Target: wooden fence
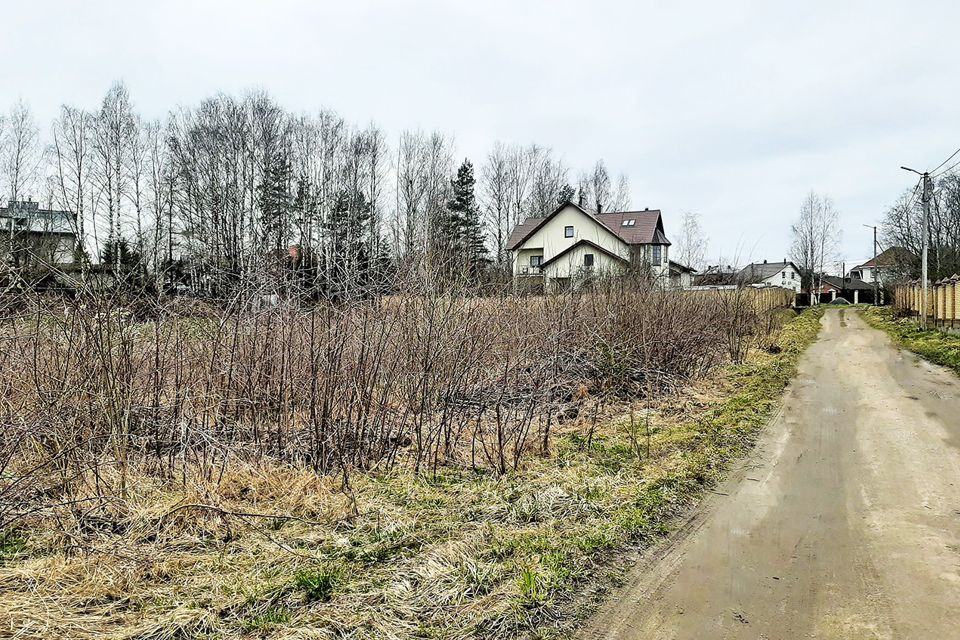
943,307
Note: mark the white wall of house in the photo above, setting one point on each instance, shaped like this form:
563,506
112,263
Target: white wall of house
661,267
788,278
551,240
681,279
573,264
868,274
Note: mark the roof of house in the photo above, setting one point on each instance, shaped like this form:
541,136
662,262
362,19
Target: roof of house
716,275
845,284
27,216
760,271
582,243
648,228
681,268
888,258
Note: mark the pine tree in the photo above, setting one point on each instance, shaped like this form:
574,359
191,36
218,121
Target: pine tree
466,245
566,194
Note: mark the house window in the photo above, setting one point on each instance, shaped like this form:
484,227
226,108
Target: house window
588,259
657,259
536,261
628,223
568,232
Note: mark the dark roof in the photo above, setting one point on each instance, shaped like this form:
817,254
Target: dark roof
716,276
714,279
846,284
760,271
889,257
522,231
676,266
648,228
580,243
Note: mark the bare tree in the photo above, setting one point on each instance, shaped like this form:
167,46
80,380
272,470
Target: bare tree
598,196
816,236
691,246
410,194
113,132
70,155
621,198
21,157
495,199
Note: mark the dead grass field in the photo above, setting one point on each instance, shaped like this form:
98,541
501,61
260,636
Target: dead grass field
265,548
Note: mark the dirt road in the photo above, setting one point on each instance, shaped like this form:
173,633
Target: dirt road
845,523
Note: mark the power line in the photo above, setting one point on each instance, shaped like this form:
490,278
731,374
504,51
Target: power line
948,169
914,194
946,161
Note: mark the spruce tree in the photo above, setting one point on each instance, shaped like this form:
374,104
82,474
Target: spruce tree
463,229
350,266
275,201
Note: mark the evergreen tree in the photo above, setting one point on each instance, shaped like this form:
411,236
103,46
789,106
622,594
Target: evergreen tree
465,240
566,194
276,202
350,267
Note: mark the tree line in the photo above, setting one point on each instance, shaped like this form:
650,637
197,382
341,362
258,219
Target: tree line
240,193
902,226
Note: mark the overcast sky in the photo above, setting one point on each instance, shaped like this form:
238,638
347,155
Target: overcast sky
734,110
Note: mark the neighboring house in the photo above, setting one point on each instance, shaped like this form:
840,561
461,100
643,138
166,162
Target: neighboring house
716,277
889,265
681,276
35,237
770,274
850,289
572,245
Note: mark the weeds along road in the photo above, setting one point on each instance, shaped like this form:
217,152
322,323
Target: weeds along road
845,522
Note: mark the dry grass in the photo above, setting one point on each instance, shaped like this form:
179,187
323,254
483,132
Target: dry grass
265,548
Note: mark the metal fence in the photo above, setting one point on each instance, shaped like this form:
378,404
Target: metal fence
943,308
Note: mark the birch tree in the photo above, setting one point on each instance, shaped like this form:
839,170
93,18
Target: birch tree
691,241
815,238
20,155
70,156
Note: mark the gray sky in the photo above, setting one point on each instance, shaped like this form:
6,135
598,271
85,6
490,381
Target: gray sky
731,109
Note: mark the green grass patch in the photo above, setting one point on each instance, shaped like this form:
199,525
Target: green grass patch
13,544
319,583
267,620
933,345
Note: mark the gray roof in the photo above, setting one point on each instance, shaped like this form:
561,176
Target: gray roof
848,284
27,216
760,271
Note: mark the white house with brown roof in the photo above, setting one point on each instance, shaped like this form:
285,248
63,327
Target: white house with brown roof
572,245
886,266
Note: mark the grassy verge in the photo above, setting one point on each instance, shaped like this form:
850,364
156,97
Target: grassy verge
459,555
934,345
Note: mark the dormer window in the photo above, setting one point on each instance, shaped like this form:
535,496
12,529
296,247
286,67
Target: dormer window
628,223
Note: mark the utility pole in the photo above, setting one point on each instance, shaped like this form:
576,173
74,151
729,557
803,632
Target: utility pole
876,270
927,193
926,241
